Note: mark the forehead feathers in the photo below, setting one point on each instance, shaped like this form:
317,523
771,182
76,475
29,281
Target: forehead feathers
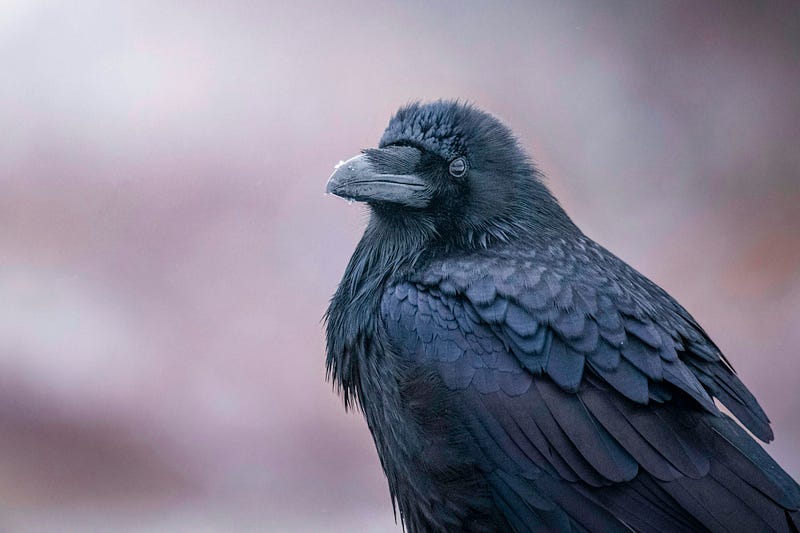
447,128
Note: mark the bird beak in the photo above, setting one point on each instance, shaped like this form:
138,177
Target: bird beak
358,179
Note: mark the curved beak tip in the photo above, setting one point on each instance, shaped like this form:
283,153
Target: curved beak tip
343,171
330,185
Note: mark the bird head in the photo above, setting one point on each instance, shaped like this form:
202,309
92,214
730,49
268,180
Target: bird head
454,168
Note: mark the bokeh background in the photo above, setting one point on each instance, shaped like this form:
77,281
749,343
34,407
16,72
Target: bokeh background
167,253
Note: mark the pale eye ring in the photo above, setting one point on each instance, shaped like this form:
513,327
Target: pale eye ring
458,167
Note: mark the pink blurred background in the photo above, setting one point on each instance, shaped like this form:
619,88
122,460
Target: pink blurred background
166,251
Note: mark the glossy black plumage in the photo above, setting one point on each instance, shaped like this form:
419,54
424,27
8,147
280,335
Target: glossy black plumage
516,375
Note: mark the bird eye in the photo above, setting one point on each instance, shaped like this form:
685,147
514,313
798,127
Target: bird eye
458,167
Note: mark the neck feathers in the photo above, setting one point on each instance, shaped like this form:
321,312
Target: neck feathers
388,248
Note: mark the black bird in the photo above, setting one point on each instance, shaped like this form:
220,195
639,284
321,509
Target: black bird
516,375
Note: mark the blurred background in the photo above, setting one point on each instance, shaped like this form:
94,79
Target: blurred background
167,254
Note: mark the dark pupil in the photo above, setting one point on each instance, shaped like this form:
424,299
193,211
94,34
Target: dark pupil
457,167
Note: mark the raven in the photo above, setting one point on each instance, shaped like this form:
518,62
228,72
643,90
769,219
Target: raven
517,376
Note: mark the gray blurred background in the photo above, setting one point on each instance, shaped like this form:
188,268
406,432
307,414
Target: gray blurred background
166,251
